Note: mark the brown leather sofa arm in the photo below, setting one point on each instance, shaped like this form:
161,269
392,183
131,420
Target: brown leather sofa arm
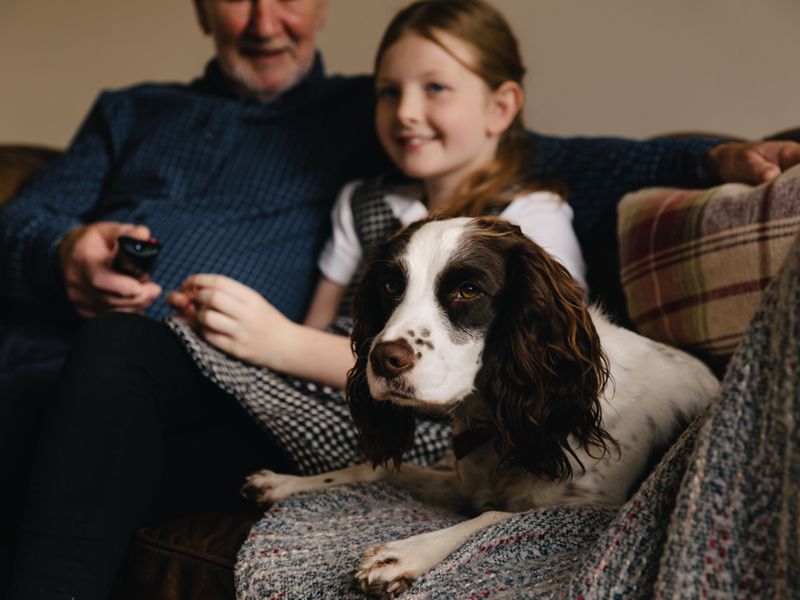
18,164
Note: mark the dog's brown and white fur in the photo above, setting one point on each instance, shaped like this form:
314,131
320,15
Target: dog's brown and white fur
470,317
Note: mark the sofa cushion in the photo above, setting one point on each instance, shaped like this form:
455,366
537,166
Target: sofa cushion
18,164
694,262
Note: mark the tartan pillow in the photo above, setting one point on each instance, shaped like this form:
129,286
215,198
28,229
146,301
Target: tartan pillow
694,262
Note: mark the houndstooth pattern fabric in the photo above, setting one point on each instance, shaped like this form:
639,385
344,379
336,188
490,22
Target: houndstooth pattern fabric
718,517
311,422
374,222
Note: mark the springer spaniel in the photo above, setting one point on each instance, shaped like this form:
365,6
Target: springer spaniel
551,402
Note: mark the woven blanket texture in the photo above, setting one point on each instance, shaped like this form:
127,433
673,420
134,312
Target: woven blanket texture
717,518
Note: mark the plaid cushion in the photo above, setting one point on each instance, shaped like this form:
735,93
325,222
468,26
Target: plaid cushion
694,262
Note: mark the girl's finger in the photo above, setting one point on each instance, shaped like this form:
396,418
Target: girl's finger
221,341
219,301
222,283
178,300
216,321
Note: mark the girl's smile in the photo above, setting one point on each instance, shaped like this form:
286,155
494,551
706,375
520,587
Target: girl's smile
412,142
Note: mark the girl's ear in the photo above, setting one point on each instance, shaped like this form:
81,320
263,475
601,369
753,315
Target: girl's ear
504,105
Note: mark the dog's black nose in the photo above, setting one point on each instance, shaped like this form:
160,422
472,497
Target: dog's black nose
390,359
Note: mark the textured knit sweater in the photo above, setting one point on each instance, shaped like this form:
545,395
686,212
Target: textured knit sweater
228,185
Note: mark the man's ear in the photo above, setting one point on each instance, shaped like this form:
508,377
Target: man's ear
322,13
504,105
202,17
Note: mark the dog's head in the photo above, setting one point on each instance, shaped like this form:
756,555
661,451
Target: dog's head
459,306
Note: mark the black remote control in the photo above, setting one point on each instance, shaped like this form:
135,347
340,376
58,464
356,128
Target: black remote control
136,257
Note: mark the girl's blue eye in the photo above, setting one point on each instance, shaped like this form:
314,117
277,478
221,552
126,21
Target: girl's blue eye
387,92
435,88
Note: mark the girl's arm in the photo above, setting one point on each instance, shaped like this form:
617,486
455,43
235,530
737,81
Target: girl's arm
239,321
324,304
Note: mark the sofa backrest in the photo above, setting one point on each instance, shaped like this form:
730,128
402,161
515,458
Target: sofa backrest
18,164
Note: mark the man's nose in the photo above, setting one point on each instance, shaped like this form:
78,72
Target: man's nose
265,18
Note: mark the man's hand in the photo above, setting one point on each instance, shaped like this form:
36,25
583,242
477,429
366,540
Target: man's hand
753,162
92,286
235,318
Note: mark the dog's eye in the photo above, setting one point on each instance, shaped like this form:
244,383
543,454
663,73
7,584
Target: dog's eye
468,291
392,286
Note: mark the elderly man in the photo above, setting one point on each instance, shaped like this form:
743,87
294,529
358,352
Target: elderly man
234,173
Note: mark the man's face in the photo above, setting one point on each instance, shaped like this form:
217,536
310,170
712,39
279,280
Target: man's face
264,46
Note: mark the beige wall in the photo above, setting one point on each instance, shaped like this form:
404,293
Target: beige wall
631,67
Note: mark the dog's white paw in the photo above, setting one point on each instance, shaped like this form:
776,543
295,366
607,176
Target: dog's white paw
265,487
388,570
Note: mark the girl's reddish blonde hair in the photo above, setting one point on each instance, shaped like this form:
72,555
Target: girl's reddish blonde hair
496,60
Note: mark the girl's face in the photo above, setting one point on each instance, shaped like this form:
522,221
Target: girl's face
435,118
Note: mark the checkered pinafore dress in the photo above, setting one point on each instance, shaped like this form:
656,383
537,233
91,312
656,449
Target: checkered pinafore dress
311,422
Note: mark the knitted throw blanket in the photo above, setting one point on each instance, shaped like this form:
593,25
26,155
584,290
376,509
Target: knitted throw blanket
717,518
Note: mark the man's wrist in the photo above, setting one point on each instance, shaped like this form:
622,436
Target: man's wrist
46,277
54,256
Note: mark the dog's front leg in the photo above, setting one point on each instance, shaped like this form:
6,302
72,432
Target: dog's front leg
437,487
265,487
389,569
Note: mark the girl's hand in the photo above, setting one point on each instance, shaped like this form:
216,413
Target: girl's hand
235,318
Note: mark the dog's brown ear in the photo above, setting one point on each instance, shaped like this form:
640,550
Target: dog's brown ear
385,430
543,367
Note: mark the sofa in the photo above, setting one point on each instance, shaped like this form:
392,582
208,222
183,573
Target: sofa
685,267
